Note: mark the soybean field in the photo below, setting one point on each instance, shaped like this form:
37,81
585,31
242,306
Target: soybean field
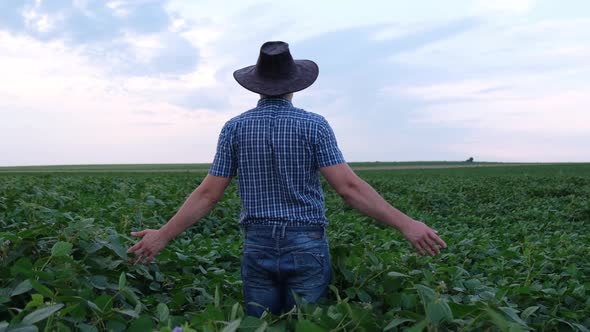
518,256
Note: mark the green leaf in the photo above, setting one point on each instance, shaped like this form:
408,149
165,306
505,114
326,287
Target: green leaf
27,328
22,266
40,314
396,322
419,327
232,326
463,310
580,327
335,290
122,280
264,327
515,328
162,312
99,282
130,295
142,324
526,313
498,319
137,309
512,314
128,312
36,301
217,297
93,306
397,274
42,289
21,288
426,293
307,326
250,323
87,328
363,296
438,312
104,302
114,244
61,248
116,326
472,283
234,311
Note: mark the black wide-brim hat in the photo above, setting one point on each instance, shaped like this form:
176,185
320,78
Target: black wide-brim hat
276,73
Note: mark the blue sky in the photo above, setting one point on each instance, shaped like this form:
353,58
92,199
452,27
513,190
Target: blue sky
146,81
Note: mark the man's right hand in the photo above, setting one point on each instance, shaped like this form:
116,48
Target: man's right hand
422,237
149,246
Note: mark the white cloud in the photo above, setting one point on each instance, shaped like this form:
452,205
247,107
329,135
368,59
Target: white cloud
558,114
533,102
510,117
41,22
461,90
63,108
118,8
500,47
82,5
506,82
391,32
145,47
505,6
178,25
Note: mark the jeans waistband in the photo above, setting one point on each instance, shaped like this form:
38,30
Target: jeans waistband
281,229
287,228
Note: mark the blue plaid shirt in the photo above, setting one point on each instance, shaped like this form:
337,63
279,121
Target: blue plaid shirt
277,150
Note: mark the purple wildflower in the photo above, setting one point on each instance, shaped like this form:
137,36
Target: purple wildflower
177,329
7,243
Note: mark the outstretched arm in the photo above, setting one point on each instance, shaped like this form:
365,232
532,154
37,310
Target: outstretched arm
200,202
361,196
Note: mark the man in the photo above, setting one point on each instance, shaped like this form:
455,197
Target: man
278,151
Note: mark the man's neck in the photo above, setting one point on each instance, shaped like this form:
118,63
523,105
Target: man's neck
288,96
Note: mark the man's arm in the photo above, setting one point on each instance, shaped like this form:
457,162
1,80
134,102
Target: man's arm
200,202
361,196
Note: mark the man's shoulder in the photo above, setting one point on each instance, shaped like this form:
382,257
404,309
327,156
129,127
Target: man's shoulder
240,117
315,120
313,116
245,115
307,116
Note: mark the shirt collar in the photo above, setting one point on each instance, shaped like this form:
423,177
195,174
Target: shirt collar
274,101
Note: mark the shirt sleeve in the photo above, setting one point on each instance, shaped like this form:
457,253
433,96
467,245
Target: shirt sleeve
225,163
327,151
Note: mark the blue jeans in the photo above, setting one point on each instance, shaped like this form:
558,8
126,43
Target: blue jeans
283,263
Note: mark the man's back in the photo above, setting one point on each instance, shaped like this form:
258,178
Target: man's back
277,149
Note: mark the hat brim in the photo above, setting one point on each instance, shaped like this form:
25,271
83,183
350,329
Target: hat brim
306,73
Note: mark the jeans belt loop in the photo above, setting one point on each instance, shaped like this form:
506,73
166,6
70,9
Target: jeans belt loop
274,227
283,231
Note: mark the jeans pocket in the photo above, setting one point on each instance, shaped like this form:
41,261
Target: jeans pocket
310,269
317,235
256,268
308,259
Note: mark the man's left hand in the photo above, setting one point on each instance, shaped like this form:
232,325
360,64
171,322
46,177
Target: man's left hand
423,238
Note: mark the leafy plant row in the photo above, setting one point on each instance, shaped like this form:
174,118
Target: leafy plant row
518,256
